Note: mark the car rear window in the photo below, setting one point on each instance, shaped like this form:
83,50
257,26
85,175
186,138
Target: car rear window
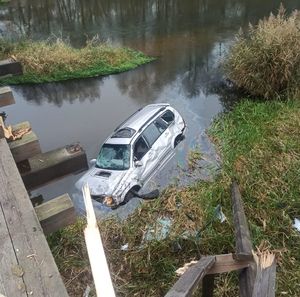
168,117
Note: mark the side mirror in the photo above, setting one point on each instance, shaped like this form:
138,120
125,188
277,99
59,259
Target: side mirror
93,162
138,163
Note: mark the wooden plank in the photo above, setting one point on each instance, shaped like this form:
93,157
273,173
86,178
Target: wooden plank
26,147
208,285
47,167
6,96
10,67
11,284
188,282
56,213
264,285
227,263
40,274
242,234
243,242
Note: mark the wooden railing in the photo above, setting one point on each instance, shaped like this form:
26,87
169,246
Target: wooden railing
257,272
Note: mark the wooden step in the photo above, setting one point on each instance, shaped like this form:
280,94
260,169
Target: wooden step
56,213
6,96
26,147
47,167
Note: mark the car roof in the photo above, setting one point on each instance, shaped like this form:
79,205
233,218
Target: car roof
136,122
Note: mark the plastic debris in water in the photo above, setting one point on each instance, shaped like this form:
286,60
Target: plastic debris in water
297,224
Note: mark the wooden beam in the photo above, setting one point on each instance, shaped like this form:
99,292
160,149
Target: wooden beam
6,96
56,213
264,285
242,234
189,281
47,167
10,67
26,147
243,242
227,263
36,270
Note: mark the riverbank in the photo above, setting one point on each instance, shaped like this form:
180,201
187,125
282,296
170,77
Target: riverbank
260,146
49,61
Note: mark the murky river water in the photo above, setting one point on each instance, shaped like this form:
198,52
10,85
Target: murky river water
189,38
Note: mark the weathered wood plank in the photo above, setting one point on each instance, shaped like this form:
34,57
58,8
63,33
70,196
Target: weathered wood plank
26,147
10,66
56,213
6,96
243,242
242,234
47,167
227,263
264,285
188,282
40,274
11,284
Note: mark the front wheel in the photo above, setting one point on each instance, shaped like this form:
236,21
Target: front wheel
130,194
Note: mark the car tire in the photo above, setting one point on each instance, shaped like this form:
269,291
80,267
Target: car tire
178,139
130,195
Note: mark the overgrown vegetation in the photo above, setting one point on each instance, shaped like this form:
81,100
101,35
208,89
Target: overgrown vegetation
265,61
260,146
55,60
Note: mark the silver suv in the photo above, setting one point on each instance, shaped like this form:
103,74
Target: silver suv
136,150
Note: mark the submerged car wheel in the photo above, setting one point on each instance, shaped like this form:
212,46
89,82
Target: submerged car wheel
130,194
178,139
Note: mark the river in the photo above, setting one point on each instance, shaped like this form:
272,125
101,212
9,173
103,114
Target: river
189,38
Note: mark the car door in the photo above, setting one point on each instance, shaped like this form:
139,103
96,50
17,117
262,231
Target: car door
140,156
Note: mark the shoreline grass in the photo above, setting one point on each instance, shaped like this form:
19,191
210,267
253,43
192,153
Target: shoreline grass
260,146
51,61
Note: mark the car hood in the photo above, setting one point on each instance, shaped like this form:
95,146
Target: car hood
101,181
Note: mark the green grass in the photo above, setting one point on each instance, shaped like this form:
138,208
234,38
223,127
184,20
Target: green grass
48,61
260,146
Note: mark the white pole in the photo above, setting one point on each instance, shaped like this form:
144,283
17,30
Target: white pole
100,270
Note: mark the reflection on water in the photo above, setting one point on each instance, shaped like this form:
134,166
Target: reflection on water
189,37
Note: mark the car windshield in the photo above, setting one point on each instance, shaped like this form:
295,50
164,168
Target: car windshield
114,157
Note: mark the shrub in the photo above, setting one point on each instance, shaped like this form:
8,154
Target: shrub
265,61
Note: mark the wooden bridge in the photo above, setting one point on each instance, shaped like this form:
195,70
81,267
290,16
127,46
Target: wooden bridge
27,267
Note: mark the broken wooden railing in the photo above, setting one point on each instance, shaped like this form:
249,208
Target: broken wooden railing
256,272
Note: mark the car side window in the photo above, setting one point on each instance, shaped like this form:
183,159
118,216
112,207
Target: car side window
151,133
140,149
168,117
161,125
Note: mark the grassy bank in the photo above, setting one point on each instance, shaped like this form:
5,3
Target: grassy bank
49,61
260,146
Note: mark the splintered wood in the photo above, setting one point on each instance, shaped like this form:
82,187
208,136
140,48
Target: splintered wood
100,270
10,134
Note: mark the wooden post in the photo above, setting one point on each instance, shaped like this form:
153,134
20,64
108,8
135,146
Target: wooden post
243,242
189,281
26,147
6,96
264,285
56,213
10,67
46,167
